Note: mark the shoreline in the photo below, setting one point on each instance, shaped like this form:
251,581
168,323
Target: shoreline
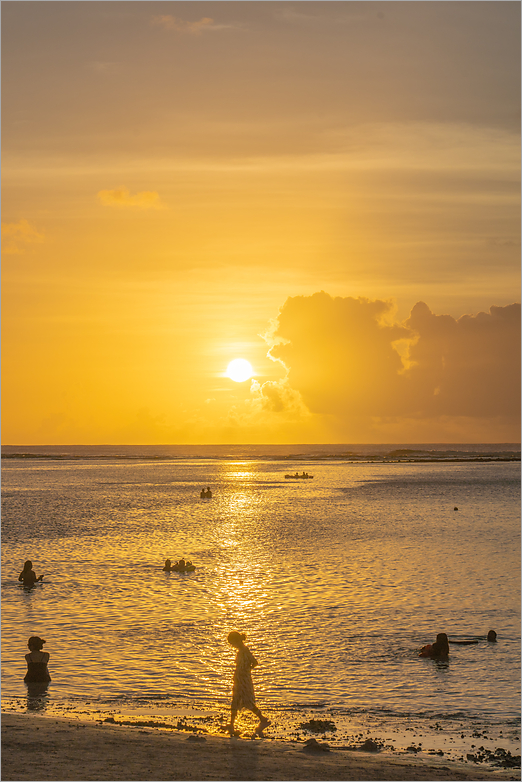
41,747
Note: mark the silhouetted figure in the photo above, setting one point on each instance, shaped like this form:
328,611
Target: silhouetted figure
492,637
168,565
28,576
243,690
208,493
37,660
182,566
203,494
438,650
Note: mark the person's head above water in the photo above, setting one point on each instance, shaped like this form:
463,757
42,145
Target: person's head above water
28,565
492,636
236,639
35,643
441,645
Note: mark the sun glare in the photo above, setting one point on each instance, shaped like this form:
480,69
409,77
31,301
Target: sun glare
239,370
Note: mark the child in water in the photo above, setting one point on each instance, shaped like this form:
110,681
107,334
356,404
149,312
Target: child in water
243,690
28,576
37,660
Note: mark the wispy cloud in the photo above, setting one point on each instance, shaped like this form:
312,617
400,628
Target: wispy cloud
169,22
104,66
121,197
16,237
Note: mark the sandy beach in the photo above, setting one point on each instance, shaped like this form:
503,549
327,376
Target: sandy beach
43,748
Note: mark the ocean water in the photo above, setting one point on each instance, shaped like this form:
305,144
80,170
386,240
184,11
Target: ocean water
337,582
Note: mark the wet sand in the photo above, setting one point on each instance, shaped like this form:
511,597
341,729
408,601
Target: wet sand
45,748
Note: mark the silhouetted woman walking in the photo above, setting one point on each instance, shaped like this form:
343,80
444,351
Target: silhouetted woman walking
243,690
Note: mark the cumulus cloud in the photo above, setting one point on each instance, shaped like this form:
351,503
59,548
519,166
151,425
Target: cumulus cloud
277,396
339,352
121,197
16,237
169,22
346,358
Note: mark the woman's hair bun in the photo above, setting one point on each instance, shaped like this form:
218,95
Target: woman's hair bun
35,641
243,636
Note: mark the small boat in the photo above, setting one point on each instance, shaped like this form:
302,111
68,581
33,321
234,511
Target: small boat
297,477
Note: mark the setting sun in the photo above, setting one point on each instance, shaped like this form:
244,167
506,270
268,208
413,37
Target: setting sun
239,370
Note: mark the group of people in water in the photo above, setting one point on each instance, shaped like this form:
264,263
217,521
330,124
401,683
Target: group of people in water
440,649
205,495
181,566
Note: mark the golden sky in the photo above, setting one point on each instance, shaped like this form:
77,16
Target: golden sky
330,190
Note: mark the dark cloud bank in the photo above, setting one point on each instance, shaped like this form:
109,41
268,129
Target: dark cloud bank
346,357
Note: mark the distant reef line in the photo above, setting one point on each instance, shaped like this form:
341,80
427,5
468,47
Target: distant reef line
394,456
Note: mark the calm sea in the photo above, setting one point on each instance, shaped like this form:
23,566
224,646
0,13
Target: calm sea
337,581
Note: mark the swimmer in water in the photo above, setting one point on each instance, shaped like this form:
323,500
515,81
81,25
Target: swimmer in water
168,565
492,637
28,576
438,650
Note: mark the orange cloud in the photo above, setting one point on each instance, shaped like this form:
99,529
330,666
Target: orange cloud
169,22
121,197
276,396
342,357
338,352
16,237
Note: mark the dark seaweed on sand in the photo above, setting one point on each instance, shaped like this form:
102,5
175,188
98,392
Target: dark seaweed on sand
318,726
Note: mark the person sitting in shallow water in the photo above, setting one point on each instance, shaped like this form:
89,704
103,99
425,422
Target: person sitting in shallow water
168,565
438,650
37,660
28,576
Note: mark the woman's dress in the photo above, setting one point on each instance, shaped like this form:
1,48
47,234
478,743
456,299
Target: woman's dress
243,690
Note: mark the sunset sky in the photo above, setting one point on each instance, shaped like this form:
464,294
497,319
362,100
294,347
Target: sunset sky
186,183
